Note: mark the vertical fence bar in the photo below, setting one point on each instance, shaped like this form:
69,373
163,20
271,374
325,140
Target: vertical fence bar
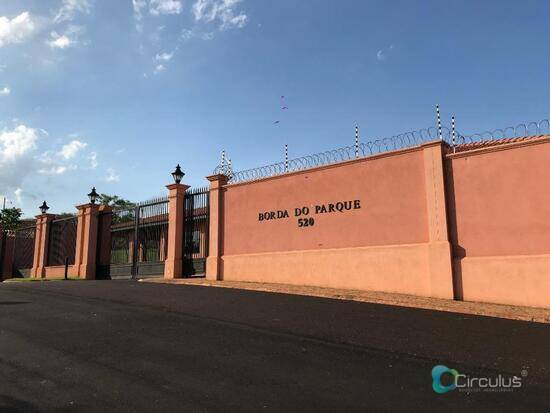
454,133
356,141
286,157
135,242
440,134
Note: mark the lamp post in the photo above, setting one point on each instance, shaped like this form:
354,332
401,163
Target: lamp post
44,207
93,196
178,174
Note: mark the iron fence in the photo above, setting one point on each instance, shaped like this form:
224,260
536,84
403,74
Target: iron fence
196,231
62,241
23,253
139,237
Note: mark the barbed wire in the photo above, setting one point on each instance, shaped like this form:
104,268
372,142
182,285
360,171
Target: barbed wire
377,146
523,130
346,153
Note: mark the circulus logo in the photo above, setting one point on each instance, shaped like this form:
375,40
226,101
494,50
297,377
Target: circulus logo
437,372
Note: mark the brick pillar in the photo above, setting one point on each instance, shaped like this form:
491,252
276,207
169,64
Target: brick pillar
214,265
173,266
104,241
86,241
440,258
41,245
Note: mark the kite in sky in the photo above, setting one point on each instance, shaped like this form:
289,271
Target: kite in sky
283,107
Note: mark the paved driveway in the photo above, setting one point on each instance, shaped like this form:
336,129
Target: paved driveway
126,346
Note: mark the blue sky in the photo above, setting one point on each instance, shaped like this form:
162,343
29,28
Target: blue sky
115,93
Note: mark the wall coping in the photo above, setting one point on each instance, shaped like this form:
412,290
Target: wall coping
499,147
387,154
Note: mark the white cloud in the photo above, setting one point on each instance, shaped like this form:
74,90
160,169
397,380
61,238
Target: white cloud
139,5
70,8
187,34
93,160
17,142
70,150
220,10
68,39
19,195
382,55
5,91
16,155
59,41
159,68
56,169
164,57
112,175
157,7
16,30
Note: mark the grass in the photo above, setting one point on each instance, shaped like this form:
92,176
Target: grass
21,280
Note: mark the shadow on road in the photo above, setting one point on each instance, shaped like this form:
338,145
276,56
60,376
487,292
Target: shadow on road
13,302
11,405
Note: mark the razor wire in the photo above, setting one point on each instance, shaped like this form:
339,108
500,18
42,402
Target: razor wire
381,145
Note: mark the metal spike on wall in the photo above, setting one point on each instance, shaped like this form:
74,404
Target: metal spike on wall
438,122
286,157
229,167
454,133
356,141
223,159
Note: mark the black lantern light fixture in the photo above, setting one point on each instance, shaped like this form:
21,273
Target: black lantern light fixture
178,174
93,196
44,207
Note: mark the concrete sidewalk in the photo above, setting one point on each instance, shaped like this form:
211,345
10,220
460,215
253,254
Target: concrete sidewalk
539,315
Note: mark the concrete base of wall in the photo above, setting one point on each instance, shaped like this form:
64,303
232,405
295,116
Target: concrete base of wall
516,280
407,269
58,271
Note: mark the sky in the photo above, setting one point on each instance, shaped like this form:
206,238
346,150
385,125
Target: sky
115,93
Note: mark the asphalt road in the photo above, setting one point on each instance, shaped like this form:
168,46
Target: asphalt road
134,347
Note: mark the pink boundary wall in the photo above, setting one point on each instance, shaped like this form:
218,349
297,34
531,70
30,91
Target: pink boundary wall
397,241
500,215
473,225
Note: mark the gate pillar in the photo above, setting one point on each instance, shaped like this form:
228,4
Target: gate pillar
173,266
213,262
86,241
43,223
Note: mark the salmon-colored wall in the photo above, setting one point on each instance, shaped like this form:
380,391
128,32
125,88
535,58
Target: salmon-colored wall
501,201
499,221
391,194
58,271
392,238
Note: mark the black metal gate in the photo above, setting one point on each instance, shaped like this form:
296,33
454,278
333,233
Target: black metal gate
196,231
62,241
23,251
139,238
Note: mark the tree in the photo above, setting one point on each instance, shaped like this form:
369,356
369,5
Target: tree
10,218
115,202
64,215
